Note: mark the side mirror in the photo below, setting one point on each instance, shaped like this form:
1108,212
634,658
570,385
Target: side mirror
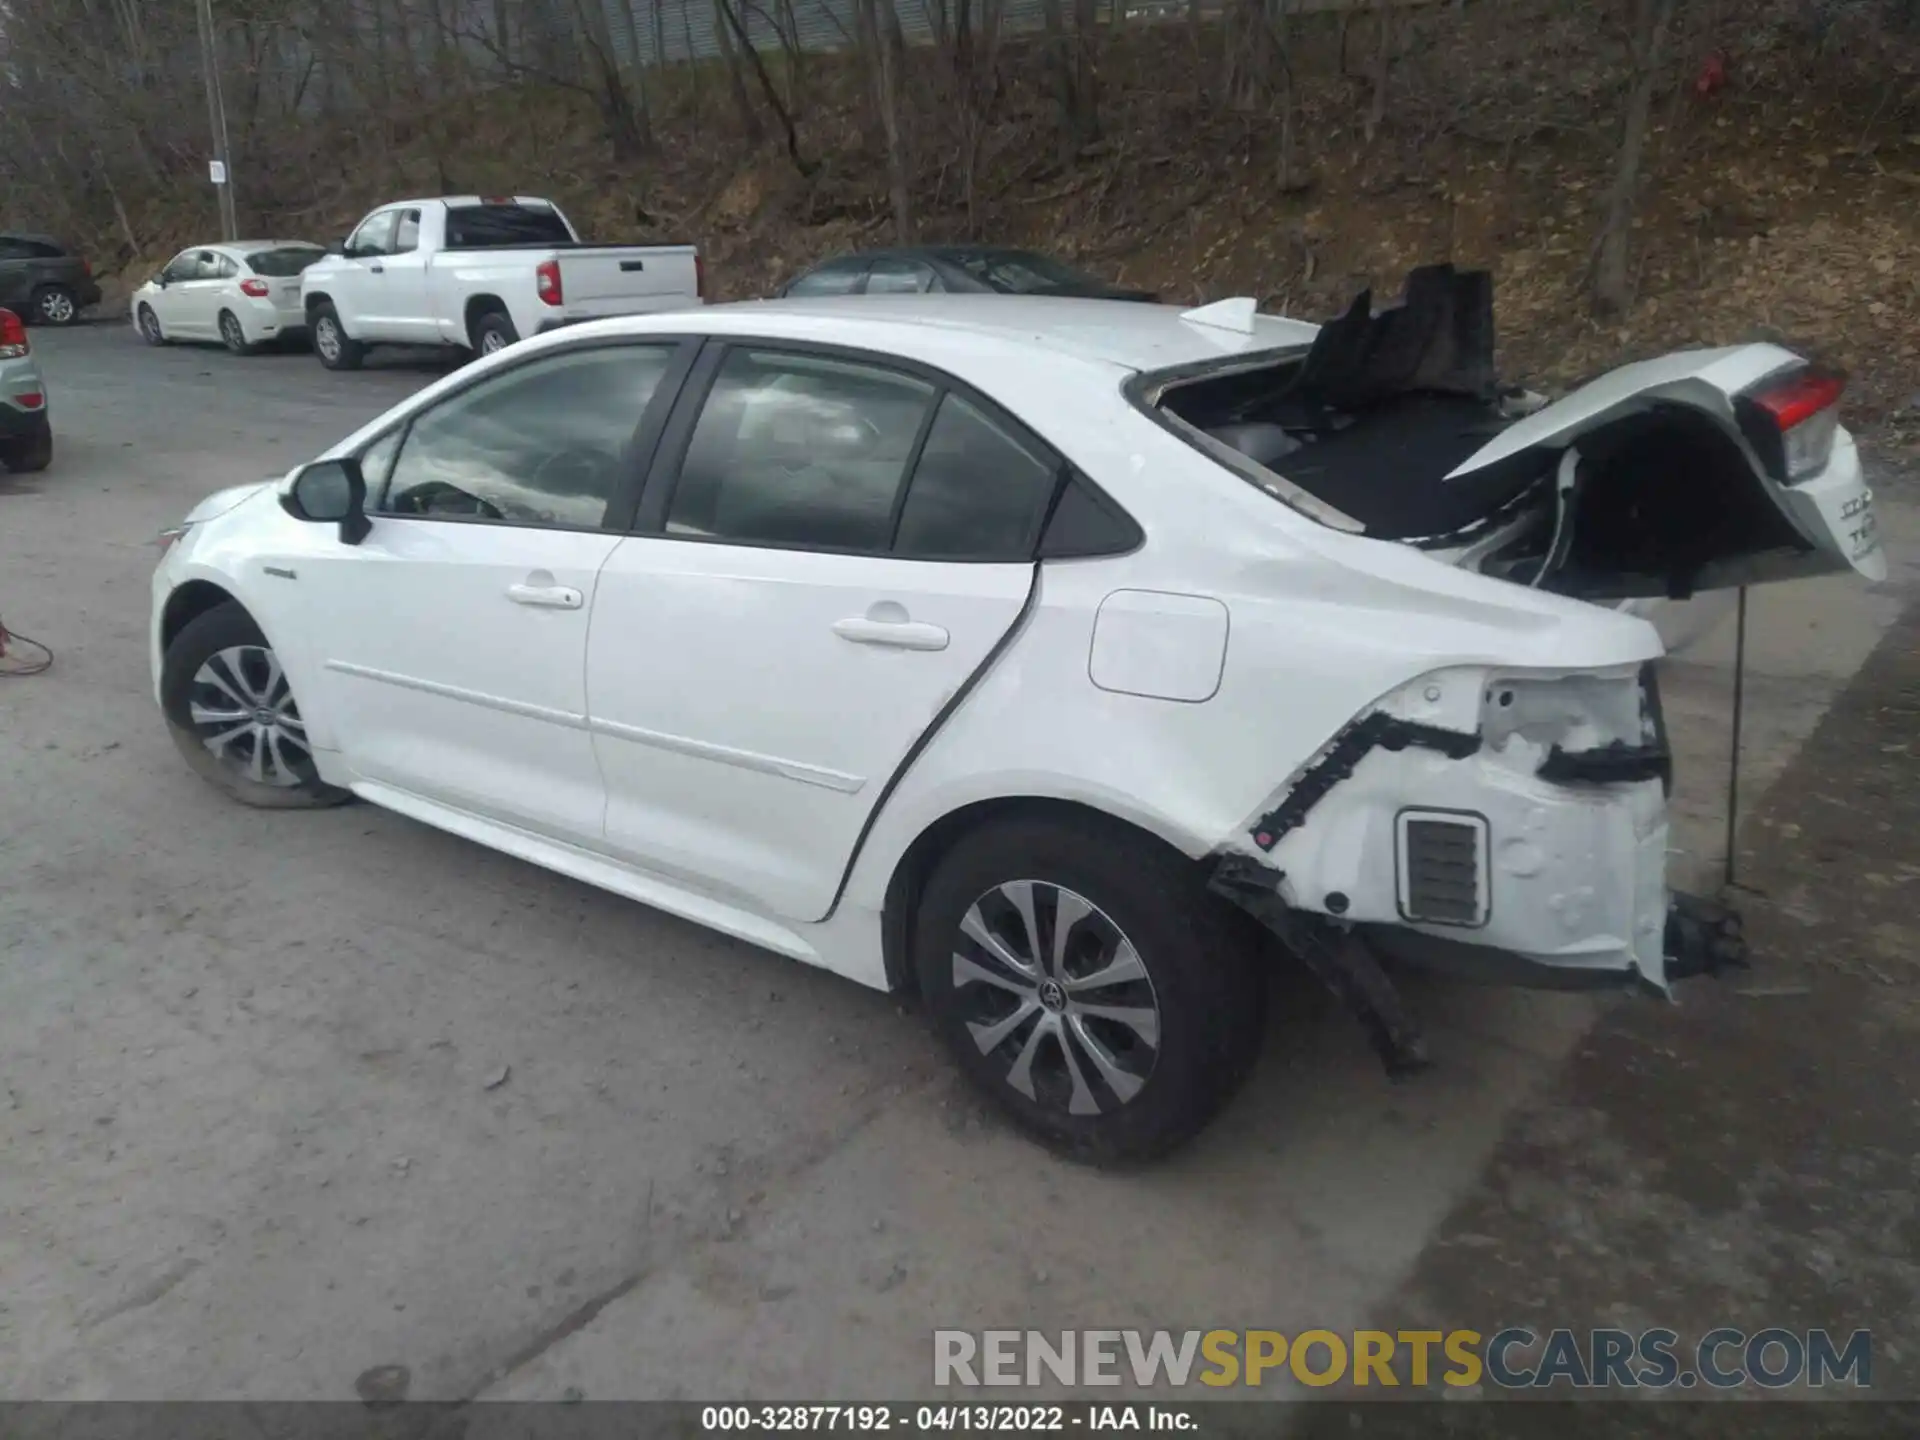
338,247
160,279
332,492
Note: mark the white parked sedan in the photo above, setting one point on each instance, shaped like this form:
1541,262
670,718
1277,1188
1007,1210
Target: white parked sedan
245,295
1047,657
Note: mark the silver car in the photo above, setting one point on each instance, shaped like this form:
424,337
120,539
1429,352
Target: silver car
26,434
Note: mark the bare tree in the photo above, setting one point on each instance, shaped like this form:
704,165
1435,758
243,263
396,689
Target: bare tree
1612,286
883,46
767,90
736,77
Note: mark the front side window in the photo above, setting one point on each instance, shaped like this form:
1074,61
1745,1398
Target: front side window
977,493
799,450
184,266
374,235
406,232
542,444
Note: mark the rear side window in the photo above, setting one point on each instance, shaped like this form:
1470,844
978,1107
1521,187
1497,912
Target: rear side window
284,263
799,450
900,277
15,248
977,493
836,277
485,227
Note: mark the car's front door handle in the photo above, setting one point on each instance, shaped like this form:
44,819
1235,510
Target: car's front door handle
378,269
549,597
899,634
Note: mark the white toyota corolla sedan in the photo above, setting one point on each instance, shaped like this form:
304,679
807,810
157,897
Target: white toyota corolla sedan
244,294
1064,661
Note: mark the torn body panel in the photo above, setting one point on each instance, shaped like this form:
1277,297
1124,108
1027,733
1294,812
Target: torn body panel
1522,813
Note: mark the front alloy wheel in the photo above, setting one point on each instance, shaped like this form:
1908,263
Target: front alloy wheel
234,717
1054,991
242,708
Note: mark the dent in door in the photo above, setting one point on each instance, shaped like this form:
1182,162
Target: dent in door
1159,645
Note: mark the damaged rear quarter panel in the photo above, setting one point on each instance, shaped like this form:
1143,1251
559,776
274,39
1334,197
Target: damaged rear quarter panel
1574,874
1322,626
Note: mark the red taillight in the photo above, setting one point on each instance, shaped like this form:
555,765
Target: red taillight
546,278
13,336
1792,422
699,277
259,289
30,399
1800,398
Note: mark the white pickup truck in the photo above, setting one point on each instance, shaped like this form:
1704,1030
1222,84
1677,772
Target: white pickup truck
479,272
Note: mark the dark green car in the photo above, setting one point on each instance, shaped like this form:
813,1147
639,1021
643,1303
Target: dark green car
42,281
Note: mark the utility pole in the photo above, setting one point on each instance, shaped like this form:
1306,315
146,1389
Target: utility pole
217,123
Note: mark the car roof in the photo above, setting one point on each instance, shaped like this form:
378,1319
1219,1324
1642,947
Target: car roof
941,252
35,236
254,247
1123,333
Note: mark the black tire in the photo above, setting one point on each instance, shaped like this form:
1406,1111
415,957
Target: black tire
150,330
233,336
493,330
209,641
54,305
30,453
337,350
1203,984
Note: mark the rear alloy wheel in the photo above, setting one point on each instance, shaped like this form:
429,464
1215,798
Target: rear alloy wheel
55,305
234,717
1085,981
493,332
30,453
336,349
233,335
150,330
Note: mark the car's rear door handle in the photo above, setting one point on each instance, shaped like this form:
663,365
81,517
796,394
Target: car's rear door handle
899,634
549,597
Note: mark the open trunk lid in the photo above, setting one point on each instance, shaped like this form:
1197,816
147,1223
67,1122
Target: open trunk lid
1773,491
1698,470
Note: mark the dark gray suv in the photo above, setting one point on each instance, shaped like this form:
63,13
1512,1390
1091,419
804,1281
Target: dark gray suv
42,281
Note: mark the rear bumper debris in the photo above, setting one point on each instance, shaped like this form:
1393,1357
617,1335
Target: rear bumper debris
1703,937
1341,960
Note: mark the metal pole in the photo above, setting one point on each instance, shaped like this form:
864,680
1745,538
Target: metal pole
217,119
1739,697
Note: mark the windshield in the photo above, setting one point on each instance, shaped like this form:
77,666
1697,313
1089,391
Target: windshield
487,227
285,262
1021,272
